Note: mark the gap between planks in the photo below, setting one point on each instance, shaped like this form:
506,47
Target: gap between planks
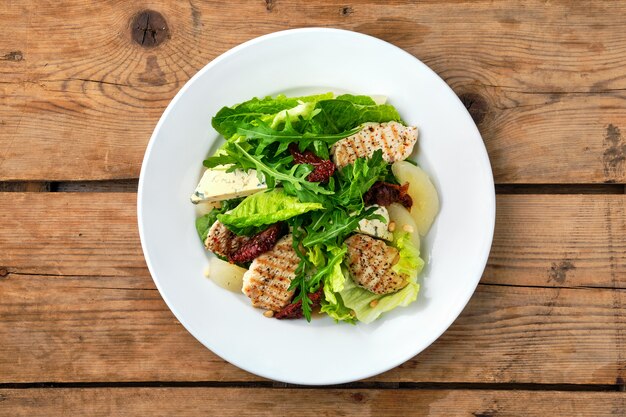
130,185
416,386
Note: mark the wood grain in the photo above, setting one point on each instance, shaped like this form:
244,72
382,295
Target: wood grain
283,402
561,241
77,303
79,98
106,329
540,240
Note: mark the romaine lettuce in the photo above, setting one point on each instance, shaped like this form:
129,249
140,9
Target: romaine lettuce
339,115
229,119
368,306
410,263
204,223
360,300
265,208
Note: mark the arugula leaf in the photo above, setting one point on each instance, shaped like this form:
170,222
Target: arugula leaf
327,269
300,282
266,135
339,226
286,176
359,177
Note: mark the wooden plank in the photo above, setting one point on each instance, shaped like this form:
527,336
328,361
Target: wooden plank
541,240
77,303
561,241
70,234
101,329
307,402
545,83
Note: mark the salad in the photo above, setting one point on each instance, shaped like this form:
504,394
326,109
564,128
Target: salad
311,205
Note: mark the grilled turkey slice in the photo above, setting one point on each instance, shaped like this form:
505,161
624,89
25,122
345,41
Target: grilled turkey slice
267,281
369,261
394,139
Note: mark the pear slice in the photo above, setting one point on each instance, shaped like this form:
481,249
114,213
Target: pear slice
422,191
404,222
226,275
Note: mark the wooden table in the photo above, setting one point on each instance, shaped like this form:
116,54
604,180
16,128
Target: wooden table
82,326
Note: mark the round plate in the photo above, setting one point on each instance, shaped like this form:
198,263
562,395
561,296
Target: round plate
450,149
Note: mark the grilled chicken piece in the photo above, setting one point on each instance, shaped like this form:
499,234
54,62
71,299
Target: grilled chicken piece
394,139
222,241
370,261
268,279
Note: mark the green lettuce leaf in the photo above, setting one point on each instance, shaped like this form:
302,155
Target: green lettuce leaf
204,223
334,226
363,100
339,115
410,263
359,299
338,311
334,282
265,208
358,178
334,279
229,119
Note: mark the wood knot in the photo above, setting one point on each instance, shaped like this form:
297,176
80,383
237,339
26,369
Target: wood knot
357,397
346,11
269,5
475,105
13,56
149,28
614,156
558,272
3,272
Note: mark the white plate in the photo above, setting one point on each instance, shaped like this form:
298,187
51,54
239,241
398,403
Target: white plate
450,149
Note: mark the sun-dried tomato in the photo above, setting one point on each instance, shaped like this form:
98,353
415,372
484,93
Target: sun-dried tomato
294,311
258,244
384,194
323,168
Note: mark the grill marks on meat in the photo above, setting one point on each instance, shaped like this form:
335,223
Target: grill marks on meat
221,241
241,249
294,311
324,169
257,244
370,261
384,194
267,280
394,139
